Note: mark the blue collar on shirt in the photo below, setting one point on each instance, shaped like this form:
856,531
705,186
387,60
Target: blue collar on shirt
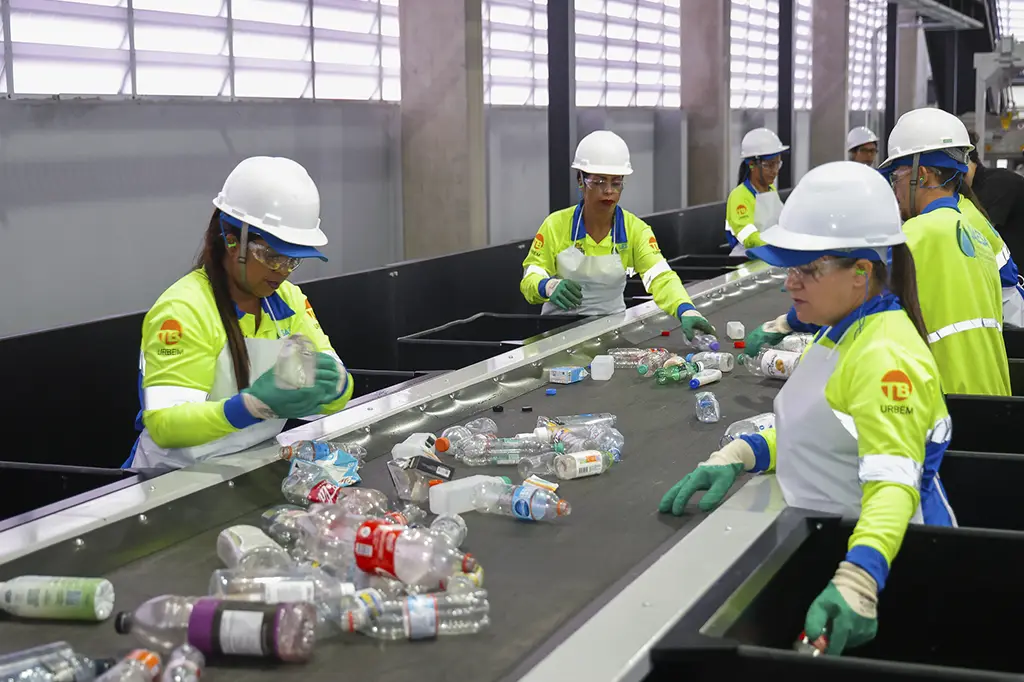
878,304
942,202
749,185
579,231
274,305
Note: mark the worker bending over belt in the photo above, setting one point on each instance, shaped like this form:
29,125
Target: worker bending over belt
582,255
862,145
958,280
225,322
861,425
754,204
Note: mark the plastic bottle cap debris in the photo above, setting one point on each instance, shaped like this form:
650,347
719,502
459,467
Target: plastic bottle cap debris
666,333
442,444
550,391
528,408
498,408
739,344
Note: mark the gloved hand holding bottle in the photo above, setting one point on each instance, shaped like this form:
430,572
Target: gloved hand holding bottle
564,293
265,400
846,611
767,334
715,475
691,322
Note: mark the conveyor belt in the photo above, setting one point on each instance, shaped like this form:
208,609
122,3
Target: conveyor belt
539,576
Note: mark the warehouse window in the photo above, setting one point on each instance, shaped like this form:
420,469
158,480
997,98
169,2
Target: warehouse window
328,49
627,52
1011,17
867,46
754,54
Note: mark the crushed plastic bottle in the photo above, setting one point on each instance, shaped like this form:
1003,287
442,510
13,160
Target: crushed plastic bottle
748,427
281,524
286,632
705,342
55,662
186,664
323,453
481,450
569,421
708,410
524,502
416,556
771,363
653,360
249,547
580,464
296,363
453,438
423,616
608,439
710,360
307,484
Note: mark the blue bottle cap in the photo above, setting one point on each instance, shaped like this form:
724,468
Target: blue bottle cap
689,357
550,391
694,383
714,345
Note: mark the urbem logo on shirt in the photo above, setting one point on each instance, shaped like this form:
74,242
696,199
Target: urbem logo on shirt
896,385
170,332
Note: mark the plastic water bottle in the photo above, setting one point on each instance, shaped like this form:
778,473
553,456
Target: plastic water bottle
580,464
676,373
423,616
705,377
709,360
524,502
608,439
629,358
296,363
323,453
139,665
748,427
708,410
56,662
416,556
537,465
286,632
57,598
452,526
705,342
569,421
249,547
482,450
456,497
453,438
795,342
652,360
185,664
406,515
771,363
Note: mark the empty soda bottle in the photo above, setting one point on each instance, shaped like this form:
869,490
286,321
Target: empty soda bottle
416,556
771,363
580,464
423,616
708,410
705,342
524,502
675,374
709,360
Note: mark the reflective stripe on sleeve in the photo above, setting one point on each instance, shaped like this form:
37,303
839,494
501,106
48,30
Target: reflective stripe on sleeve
957,327
746,232
535,270
659,268
847,422
1003,257
162,397
890,469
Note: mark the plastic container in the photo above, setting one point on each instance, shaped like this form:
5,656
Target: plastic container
456,497
735,331
602,368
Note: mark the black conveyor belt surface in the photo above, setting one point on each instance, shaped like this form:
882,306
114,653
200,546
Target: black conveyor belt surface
539,576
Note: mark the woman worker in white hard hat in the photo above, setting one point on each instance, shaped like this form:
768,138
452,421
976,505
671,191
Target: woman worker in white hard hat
861,426
959,281
210,342
862,145
581,256
754,204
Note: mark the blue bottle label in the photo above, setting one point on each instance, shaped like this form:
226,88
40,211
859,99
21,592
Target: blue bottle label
522,496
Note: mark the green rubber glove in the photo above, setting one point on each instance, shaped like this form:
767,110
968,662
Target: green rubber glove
293,403
693,323
846,611
567,295
716,480
767,334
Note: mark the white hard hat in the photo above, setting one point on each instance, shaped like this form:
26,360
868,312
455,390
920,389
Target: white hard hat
840,208
926,130
858,136
761,142
277,198
602,152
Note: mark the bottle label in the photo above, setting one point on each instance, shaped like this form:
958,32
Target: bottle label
324,492
764,421
587,463
420,616
375,547
522,496
63,598
285,591
234,628
240,540
779,364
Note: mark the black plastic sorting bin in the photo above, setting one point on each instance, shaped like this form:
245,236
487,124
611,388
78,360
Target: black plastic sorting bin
986,423
482,336
1014,341
984,489
373,380
29,486
950,609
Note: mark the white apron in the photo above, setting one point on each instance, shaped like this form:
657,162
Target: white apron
262,356
1013,307
817,462
767,209
602,278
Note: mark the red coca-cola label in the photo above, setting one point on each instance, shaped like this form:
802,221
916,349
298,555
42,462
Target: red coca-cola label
324,492
375,547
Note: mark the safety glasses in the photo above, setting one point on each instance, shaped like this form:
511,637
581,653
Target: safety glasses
272,259
600,184
773,165
815,270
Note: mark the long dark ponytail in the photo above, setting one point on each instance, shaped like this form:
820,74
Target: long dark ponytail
211,260
743,172
944,175
902,281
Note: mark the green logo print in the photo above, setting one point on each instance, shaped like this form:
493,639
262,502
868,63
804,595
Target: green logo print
964,240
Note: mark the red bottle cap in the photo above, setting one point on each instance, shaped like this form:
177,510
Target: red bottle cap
739,344
666,333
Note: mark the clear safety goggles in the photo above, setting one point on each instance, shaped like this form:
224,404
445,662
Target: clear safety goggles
271,259
772,165
599,184
814,270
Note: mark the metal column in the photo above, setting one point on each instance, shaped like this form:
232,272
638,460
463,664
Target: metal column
891,67
785,127
561,102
